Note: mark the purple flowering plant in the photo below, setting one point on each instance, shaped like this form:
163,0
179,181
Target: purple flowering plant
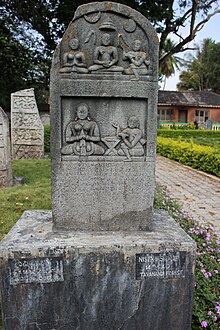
206,308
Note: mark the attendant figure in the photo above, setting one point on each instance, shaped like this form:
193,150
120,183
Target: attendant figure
106,56
132,140
74,60
82,135
139,61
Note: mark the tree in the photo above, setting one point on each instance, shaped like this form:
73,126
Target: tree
39,24
168,67
22,64
202,70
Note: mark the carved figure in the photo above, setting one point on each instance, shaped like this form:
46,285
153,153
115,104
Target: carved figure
82,135
74,60
132,140
106,56
139,61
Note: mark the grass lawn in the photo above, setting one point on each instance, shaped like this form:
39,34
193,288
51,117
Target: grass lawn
211,141
34,194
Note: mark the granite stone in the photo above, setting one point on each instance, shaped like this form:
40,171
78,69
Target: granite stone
102,280
6,178
103,120
27,132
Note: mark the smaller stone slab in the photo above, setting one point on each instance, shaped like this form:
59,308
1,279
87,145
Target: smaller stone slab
6,178
27,130
100,280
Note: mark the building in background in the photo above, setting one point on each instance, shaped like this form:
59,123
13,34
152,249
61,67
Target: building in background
188,107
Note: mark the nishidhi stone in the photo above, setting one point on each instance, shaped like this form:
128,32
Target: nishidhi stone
103,120
27,131
6,178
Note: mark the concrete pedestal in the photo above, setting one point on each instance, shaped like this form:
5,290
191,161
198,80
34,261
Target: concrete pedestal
106,280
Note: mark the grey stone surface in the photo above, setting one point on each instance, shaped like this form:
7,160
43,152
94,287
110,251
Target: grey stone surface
45,118
6,179
103,120
27,132
18,180
103,280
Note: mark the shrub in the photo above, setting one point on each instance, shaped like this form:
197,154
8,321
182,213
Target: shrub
204,158
206,308
186,134
47,138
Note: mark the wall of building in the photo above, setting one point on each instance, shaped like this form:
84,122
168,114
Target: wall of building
213,113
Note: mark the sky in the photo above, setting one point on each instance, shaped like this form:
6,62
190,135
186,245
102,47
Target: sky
210,30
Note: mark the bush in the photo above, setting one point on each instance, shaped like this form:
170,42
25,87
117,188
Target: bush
47,139
187,134
206,308
204,158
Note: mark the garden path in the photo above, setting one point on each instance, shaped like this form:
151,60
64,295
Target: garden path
197,191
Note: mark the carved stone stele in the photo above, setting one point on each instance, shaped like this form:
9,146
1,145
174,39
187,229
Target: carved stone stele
27,130
103,120
6,178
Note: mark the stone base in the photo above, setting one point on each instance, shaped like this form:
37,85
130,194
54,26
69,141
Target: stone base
101,280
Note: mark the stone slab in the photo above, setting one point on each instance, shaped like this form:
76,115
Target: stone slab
103,164
6,178
102,280
27,130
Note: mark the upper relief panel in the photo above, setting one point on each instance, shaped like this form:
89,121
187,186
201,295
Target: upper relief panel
102,41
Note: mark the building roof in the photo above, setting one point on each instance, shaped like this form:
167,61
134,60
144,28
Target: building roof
191,98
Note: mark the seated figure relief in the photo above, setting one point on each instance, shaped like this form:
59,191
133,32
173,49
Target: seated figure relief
138,59
132,140
82,135
106,56
74,60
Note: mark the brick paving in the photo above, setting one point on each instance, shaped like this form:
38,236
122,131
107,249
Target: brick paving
198,192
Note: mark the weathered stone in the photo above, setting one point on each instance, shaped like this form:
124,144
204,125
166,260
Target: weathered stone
6,179
209,124
102,280
121,266
26,127
103,120
45,118
19,180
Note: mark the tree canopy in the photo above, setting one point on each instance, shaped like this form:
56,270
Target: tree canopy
203,69
37,25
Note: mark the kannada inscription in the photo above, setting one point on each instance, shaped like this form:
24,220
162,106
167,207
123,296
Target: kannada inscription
43,270
160,265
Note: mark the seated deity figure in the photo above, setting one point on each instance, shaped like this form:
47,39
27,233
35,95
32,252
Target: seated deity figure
138,60
106,56
132,140
82,135
74,60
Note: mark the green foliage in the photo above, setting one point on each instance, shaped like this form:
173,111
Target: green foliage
202,70
34,194
47,139
200,157
206,308
188,133
36,26
202,137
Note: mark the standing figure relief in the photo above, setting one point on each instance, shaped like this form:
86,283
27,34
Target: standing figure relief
82,135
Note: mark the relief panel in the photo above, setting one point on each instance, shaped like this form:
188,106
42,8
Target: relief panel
106,43
108,128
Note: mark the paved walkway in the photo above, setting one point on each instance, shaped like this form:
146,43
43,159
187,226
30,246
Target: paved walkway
198,192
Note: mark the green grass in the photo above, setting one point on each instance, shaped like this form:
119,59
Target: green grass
34,194
210,142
